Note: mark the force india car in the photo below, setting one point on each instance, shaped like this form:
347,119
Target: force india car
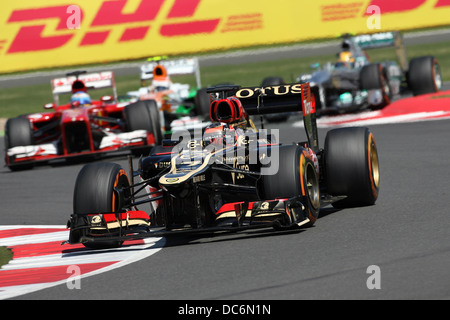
354,83
181,105
81,129
231,177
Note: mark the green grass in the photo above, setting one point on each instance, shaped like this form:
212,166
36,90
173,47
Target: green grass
30,99
5,255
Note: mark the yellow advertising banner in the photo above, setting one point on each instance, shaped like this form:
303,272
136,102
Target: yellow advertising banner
51,33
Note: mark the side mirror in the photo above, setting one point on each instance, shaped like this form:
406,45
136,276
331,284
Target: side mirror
170,142
49,106
107,99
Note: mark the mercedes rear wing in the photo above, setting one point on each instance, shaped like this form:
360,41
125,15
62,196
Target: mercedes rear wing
173,67
382,40
294,97
92,81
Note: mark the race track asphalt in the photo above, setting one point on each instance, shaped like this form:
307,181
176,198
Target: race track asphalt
405,234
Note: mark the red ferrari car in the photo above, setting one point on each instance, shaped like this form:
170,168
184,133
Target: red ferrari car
81,127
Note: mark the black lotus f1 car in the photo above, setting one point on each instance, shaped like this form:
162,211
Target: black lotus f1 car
231,177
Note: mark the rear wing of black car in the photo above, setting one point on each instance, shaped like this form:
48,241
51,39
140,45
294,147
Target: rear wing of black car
294,97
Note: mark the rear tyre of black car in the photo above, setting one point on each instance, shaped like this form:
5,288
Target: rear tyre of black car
296,176
352,166
424,75
144,115
375,77
95,193
18,132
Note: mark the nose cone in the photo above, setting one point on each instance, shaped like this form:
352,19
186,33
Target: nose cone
176,184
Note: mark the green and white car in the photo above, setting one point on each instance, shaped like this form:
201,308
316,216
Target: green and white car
182,107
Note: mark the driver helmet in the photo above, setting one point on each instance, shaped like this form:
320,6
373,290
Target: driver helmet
161,80
80,99
219,133
229,110
345,59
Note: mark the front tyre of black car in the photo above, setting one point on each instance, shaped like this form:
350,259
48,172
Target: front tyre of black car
94,193
296,176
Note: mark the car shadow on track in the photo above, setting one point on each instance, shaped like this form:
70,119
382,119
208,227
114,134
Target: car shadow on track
128,246
175,240
327,211
215,237
180,240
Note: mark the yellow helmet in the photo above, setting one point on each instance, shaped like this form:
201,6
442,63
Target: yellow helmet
346,56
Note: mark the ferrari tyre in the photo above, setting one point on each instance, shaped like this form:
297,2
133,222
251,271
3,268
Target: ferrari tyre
144,115
95,192
424,75
296,176
18,132
352,166
375,77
